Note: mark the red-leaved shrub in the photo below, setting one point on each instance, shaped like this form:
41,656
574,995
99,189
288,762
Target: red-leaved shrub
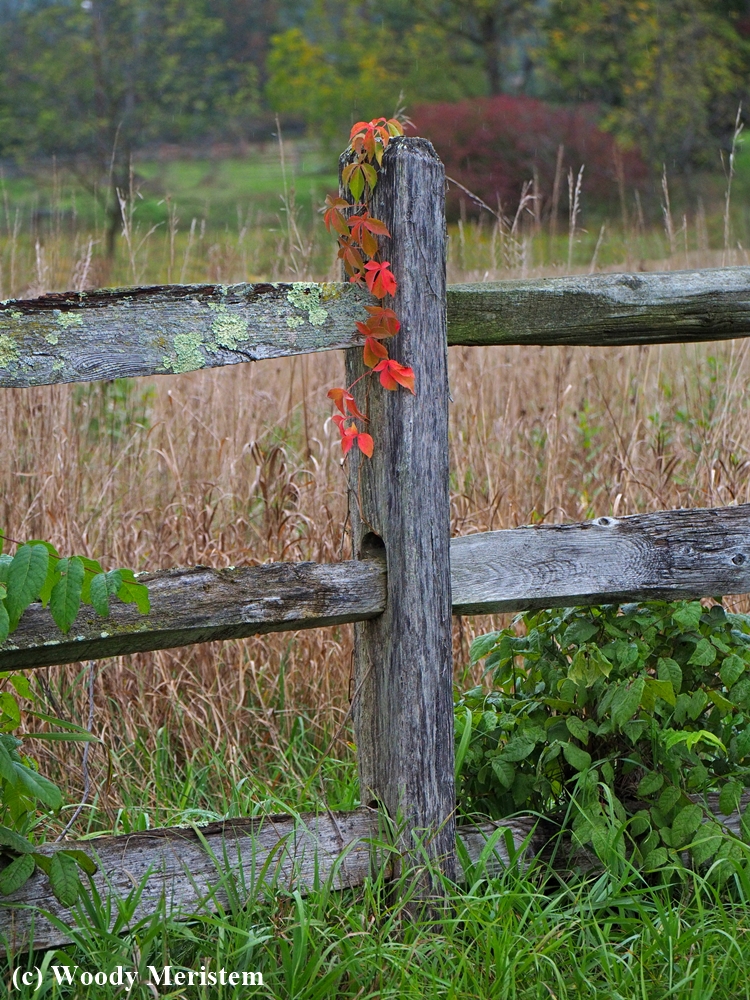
492,145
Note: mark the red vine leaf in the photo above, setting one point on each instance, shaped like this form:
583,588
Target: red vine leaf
352,258
350,436
380,279
393,374
374,351
343,398
382,322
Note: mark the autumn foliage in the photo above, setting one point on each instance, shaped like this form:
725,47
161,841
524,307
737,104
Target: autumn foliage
494,145
357,233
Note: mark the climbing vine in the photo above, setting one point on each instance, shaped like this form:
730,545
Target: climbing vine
357,235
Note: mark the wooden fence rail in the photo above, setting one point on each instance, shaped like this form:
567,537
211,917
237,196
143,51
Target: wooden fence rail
407,575
164,330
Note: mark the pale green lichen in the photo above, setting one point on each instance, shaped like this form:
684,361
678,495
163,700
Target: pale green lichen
306,296
58,364
228,328
294,321
52,338
8,351
67,320
188,357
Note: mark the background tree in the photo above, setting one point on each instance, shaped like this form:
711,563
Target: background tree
101,78
670,73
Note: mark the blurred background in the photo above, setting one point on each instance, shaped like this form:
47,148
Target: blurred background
144,142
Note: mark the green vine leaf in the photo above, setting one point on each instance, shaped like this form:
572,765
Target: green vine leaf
16,874
26,577
65,599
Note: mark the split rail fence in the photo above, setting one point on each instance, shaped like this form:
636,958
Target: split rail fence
408,576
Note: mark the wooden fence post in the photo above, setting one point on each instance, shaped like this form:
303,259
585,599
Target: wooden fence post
403,711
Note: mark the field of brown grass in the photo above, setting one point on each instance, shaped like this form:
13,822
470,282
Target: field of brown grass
241,466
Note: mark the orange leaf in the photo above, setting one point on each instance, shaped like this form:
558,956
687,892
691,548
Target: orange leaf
380,279
382,322
366,444
393,374
373,352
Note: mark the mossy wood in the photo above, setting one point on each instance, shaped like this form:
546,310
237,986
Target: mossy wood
399,504
670,555
185,871
113,333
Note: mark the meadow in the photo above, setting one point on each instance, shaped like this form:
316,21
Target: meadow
242,466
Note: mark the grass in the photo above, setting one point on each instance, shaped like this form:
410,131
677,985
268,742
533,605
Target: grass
240,465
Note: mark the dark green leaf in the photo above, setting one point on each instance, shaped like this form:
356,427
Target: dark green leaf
655,859
578,632
65,599
626,701
518,748
577,728
84,862
64,878
25,579
703,655
650,783
16,874
38,786
9,838
729,797
99,594
132,592
731,670
482,646
504,772
4,622
578,759
685,823
668,669
689,615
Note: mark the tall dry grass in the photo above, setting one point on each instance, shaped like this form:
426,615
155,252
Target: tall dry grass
240,466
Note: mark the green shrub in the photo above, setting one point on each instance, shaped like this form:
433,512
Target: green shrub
616,722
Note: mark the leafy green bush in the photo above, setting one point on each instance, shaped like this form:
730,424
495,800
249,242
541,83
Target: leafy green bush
37,571
617,722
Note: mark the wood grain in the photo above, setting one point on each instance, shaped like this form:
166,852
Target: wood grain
399,499
601,310
168,329
201,605
185,871
667,555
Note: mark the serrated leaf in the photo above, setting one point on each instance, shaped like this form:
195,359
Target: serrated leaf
669,799
660,689
9,838
578,759
577,728
64,878
626,701
650,783
482,646
707,843
518,748
685,823
655,859
5,561
132,592
503,771
16,874
668,669
84,862
9,710
26,577
93,568
703,655
65,600
578,632
21,685
37,785
689,615
729,797
99,594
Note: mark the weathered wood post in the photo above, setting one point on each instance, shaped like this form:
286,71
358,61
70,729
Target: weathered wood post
399,502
